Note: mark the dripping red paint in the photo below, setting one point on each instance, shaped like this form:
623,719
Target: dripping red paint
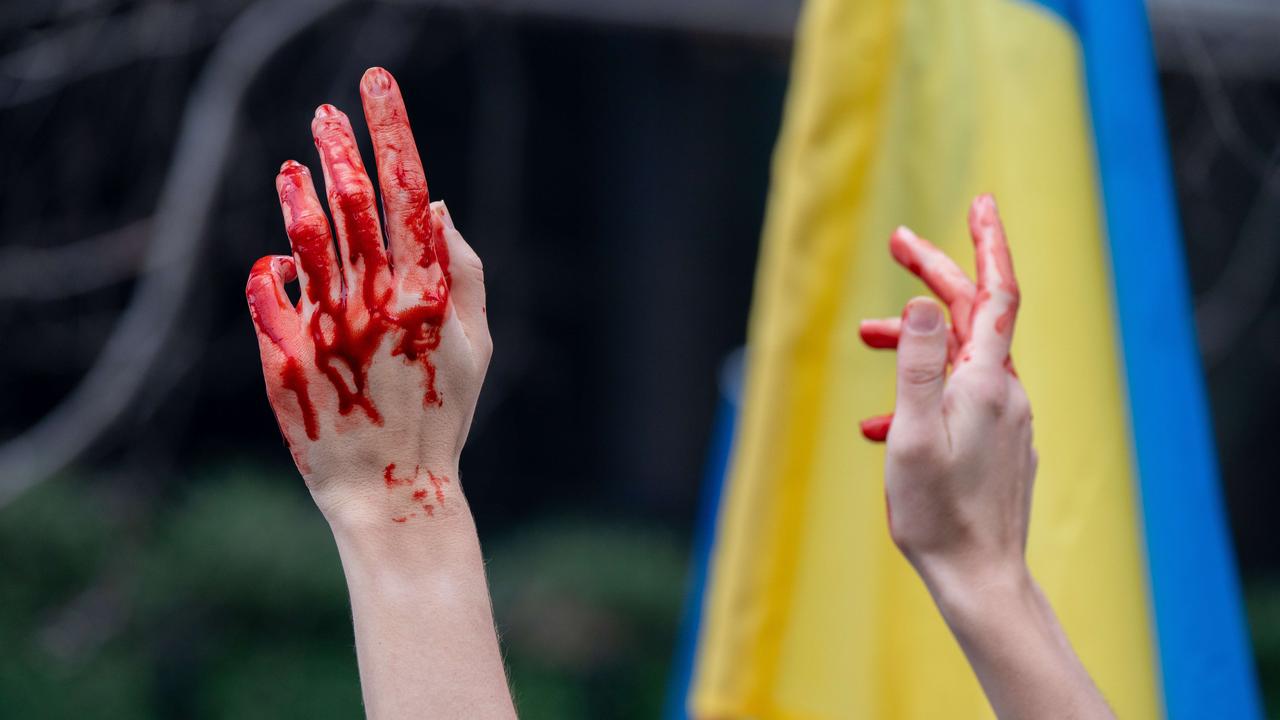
343,336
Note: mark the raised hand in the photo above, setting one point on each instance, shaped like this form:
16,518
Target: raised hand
960,461
959,469
374,374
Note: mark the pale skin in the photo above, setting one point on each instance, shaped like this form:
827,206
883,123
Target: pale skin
374,374
959,470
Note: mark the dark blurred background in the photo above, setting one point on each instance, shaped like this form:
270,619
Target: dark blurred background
609,161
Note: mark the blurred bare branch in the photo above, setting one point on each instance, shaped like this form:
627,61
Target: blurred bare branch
186,199
1226,123
1239,295
96,45
1226,311
80,267
1239,35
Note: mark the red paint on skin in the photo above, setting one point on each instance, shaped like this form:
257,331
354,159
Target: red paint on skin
294,379
931,265
351,300
878,337
876,429
438,482
345,338
1004,323
992,255
389,477
262,293
400,519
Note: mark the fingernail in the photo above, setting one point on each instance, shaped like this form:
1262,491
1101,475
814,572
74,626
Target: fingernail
326,111
377,82
986,208
923,317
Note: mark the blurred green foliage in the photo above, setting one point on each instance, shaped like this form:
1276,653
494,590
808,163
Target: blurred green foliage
229,602
1263,600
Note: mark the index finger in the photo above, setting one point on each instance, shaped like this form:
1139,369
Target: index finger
995,308
939,272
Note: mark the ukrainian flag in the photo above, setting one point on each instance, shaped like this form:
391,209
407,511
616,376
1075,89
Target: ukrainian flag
900,111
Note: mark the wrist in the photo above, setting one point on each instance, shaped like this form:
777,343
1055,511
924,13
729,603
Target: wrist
976,597
382,551
390,496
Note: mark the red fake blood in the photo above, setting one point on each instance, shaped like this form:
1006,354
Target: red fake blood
418,495
348,329
260,293
294,379
876,429
878,335
389,476
438,482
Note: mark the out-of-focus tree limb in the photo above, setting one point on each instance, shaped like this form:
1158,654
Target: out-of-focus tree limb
80,267
98,44
1238,34
186,200
1239,295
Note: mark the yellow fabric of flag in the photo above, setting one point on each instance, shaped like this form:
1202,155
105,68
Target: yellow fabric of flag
899,112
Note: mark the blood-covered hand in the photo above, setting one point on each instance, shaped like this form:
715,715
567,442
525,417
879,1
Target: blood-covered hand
374,373
960,462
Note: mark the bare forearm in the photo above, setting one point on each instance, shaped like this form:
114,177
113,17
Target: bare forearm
1017,648
423,622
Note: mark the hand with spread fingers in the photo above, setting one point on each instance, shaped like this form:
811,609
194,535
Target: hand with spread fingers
959,470
373,376
966,437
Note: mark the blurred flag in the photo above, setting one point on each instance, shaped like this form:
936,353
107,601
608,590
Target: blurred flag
900,111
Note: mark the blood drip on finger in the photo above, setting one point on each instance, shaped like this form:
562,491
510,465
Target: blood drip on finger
347,331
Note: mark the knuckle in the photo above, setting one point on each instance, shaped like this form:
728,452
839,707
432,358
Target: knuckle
254,288
1019,406
261,279
307,227
1015,295
914,450
353,196
408,185
920,374
989,397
